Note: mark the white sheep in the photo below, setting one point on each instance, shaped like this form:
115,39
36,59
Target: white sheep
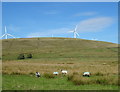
55,73
86,74
37,74
64,71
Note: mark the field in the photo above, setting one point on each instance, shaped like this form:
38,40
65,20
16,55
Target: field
53,54
25,82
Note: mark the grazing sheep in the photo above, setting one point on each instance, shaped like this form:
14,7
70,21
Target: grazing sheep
37,74
55,73
64,71
86,74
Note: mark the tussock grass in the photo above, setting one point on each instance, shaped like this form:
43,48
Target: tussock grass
99,74
31,66
49,76
102,80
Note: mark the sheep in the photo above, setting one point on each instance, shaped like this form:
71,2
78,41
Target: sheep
64,71
86,74
37,74
55,73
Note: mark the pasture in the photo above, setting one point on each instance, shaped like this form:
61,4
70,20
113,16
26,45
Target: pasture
27,82
53,54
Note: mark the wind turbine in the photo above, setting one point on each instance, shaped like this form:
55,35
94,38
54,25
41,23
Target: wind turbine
94,39
75,34
6,34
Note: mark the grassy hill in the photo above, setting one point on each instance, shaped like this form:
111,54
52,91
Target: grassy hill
57,48
53,54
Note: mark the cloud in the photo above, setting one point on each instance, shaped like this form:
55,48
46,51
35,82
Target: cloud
94,24
86,14
88,25
46,33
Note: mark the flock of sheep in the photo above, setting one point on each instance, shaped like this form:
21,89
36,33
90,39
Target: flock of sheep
64,72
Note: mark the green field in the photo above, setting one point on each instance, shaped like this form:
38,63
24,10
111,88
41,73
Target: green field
53,54
25,82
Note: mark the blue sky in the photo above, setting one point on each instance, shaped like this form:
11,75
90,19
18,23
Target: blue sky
43,19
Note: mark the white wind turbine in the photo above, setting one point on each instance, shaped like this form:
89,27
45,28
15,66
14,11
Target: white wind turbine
75,34
94,39
6,34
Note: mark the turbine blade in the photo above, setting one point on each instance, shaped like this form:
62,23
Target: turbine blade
76,28
71,31
5,30
11,35
2,36
77,34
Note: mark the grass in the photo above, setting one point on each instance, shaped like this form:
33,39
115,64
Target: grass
57,48
103,80
53,54
50,66
26,82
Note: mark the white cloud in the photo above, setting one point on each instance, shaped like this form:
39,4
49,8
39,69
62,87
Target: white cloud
86,14
94,24
88,25
59,31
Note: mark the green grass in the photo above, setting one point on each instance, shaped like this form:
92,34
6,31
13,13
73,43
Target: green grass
58,48
53,54
26,82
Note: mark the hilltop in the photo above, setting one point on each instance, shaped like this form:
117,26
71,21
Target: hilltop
57,48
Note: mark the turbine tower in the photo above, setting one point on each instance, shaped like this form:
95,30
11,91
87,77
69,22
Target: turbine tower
75,33
6,34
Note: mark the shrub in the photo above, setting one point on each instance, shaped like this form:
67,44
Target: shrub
21,56
29,55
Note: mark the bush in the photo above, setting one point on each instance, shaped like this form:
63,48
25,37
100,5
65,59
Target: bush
21,56
29,55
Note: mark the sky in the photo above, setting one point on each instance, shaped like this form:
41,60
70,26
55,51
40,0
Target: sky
98,20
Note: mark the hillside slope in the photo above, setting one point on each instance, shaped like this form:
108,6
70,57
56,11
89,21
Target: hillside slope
57,48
